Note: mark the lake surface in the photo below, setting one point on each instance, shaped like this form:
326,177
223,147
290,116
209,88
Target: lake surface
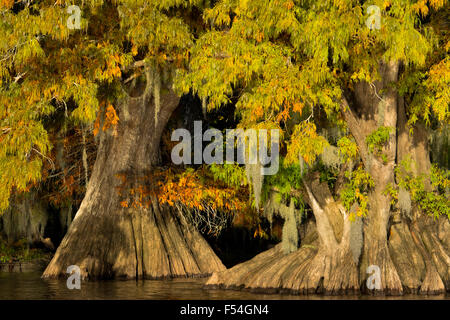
29,285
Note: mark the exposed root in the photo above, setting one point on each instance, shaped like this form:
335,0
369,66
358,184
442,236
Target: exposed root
153,243
305,271
406,257
432,284
378,255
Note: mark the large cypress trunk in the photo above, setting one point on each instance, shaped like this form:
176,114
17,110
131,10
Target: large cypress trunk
376,230
412,252
373,106
418,243
406,249
108,240
323,264
333,270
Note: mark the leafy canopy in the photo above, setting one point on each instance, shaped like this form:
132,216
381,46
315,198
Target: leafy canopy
45,66
287,61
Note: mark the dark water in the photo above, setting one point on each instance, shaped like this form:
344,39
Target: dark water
29,285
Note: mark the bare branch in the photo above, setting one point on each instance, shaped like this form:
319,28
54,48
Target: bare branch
49,160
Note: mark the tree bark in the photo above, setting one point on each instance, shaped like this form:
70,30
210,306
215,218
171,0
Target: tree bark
428,269
107,240
410,255
369,110
320,265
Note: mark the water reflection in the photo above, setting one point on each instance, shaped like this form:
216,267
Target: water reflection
31,286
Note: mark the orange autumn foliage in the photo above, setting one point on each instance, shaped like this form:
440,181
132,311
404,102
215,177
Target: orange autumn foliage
191,189
111,119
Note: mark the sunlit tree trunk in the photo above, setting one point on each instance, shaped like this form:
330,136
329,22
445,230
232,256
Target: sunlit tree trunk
421,256
411,255
421,261
368,108
107,240
333,270
323,264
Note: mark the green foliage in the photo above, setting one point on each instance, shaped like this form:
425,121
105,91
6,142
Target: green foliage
348,148
327,174
286,54
434,202
356,191
232,174
278,59
288,179
281,58
392,192
377,139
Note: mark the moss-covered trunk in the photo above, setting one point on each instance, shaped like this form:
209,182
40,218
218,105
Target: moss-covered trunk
418,243
367,109
321,265
412,253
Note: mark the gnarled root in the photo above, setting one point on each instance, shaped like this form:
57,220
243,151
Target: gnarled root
377,254
419,255
304,271
151,243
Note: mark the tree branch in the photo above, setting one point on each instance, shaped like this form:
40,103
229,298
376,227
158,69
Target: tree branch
356,130
323,224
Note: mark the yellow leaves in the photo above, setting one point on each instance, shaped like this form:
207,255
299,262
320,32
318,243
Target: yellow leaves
436,4
193,189
283,115
113,69
363,74
305,142
298,107
110,67
96,125
111,119
258,112
259,232
50,92
438,83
